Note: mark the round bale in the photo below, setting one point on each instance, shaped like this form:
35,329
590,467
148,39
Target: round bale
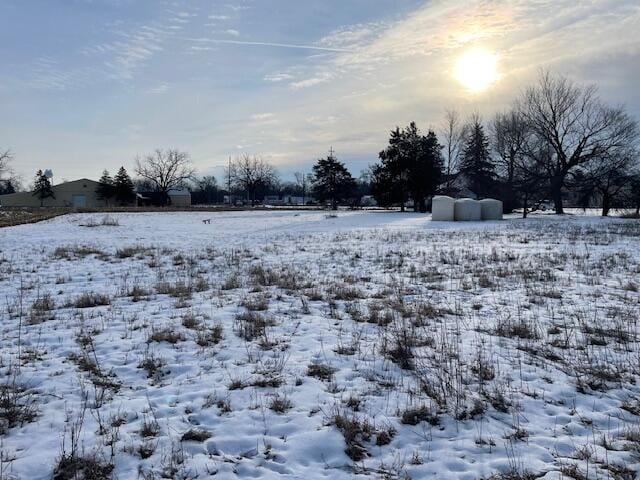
467,210
442,209
491,209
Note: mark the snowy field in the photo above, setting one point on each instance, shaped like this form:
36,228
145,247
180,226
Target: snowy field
295,345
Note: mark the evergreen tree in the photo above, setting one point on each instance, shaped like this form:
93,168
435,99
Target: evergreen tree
476,163
7,186
425,169
123,187
106,188
411,164
391,177
42,187
332,181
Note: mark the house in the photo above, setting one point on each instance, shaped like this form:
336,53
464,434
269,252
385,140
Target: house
77,194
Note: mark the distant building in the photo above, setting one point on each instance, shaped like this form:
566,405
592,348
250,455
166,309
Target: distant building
177,197
76,194
180,197
287,200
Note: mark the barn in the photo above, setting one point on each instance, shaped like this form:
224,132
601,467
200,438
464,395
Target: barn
76,194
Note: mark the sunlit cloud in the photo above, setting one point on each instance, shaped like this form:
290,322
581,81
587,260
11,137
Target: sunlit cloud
247,74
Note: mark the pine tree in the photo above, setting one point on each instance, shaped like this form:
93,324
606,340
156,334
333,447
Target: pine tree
476,163
411,164
123,187
106,188
332,181
42,187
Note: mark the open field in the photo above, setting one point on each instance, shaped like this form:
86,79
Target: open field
293,345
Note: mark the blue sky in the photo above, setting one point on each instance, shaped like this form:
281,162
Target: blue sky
91,84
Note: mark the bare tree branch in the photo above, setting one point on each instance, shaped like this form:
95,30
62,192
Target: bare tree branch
165,169
249,173
576,124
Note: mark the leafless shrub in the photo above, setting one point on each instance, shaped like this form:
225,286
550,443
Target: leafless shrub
131,251
280,403
415,415
81,251
256,303
150,427
355,431
106,221
320,371
73,462
166,334
17,404
195,435
137,293
232,282
516,328
89,300
191,321
177,289
208,336
152,364
41,309
252,325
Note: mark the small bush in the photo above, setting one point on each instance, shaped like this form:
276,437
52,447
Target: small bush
256,303
355,431
280,403
176,290
321,371
90,300
17,405
165,335
73,467
195,435
210,336
252,325
413,416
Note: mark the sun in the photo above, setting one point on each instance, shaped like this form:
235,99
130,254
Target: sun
477,70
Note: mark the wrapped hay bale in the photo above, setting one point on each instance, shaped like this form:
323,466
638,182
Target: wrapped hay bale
467,210
491,209
442,209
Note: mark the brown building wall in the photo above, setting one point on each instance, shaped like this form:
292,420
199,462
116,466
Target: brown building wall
79,193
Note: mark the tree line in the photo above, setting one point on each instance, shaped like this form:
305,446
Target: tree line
557,142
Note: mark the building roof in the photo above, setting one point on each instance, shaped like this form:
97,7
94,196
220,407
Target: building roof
179,192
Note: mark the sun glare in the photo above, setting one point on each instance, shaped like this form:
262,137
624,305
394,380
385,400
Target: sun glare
476,70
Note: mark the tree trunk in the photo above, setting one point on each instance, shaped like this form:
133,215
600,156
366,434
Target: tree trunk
525,202
606,205
423,205
556,192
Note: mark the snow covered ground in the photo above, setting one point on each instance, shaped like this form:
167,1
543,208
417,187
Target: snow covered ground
296,345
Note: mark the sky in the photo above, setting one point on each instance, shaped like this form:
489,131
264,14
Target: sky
92,84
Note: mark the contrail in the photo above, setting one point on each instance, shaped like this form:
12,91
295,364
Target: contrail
269,44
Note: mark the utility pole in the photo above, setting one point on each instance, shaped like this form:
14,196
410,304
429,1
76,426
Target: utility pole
229,181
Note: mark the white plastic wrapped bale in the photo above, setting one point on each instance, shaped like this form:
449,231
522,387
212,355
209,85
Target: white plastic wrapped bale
491,209
467,210
442,209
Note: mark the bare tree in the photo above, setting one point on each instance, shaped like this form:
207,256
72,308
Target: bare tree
8,180
576,124
165,169
303,182
5,160
452,133
250,173
607,179
509,135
